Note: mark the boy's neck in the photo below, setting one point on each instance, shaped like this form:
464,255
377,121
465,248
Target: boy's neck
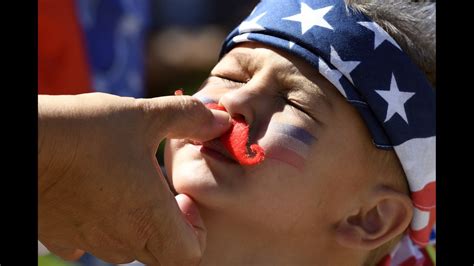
232,243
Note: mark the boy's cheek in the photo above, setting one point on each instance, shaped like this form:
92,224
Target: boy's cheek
287,144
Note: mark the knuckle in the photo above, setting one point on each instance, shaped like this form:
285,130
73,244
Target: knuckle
98,238
144,105
190,104
162,237
121,258
192,112
140,221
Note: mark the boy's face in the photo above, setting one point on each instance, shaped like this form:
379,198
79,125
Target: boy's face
318,150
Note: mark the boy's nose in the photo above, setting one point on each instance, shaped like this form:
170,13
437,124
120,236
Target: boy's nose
240,102
252,101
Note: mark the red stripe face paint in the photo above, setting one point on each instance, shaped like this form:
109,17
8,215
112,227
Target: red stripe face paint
236,138
287,143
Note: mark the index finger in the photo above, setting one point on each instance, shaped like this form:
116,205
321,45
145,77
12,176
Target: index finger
184,117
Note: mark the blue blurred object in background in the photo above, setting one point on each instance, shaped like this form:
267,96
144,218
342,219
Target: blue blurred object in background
115,33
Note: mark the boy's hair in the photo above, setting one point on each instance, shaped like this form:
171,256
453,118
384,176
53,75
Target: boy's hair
413,26
390,173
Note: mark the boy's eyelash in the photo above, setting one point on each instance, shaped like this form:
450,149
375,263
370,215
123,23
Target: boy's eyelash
232,82
296,106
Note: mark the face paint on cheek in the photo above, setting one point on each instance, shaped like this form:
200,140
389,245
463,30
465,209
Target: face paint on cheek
287,143
204,99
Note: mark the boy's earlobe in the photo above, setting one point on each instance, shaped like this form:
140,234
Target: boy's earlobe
387,214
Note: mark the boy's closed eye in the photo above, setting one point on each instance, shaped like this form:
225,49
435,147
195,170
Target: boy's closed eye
229,82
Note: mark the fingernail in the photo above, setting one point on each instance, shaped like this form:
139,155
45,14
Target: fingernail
190,210
221,118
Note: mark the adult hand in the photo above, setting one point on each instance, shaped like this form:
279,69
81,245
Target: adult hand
101,189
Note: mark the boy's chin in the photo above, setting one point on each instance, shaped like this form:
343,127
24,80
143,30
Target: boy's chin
197,181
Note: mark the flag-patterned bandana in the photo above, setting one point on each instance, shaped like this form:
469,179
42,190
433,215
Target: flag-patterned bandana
372,72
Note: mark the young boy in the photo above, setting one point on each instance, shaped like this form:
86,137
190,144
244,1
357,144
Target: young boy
347,124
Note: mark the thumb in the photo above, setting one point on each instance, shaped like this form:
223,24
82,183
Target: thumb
184,117
191,213
181,236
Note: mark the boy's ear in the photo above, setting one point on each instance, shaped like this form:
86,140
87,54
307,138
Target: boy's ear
386,214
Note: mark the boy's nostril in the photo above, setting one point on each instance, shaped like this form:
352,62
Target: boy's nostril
238,117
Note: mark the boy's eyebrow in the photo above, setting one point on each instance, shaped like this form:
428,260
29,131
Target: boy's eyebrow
243,59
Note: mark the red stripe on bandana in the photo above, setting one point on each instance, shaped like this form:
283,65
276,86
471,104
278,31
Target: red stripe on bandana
425,199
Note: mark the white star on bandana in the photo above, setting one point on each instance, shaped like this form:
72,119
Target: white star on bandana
311,17
380,34
396,100
333,75
252,25
241,38
346,67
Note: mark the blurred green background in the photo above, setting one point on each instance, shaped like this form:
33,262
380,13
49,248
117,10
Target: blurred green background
51,260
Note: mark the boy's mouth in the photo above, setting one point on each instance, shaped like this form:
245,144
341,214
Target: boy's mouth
215,149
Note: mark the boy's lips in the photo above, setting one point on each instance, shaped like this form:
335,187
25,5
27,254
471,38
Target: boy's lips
214,148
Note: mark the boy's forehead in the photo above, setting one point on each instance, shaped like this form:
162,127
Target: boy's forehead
254,57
